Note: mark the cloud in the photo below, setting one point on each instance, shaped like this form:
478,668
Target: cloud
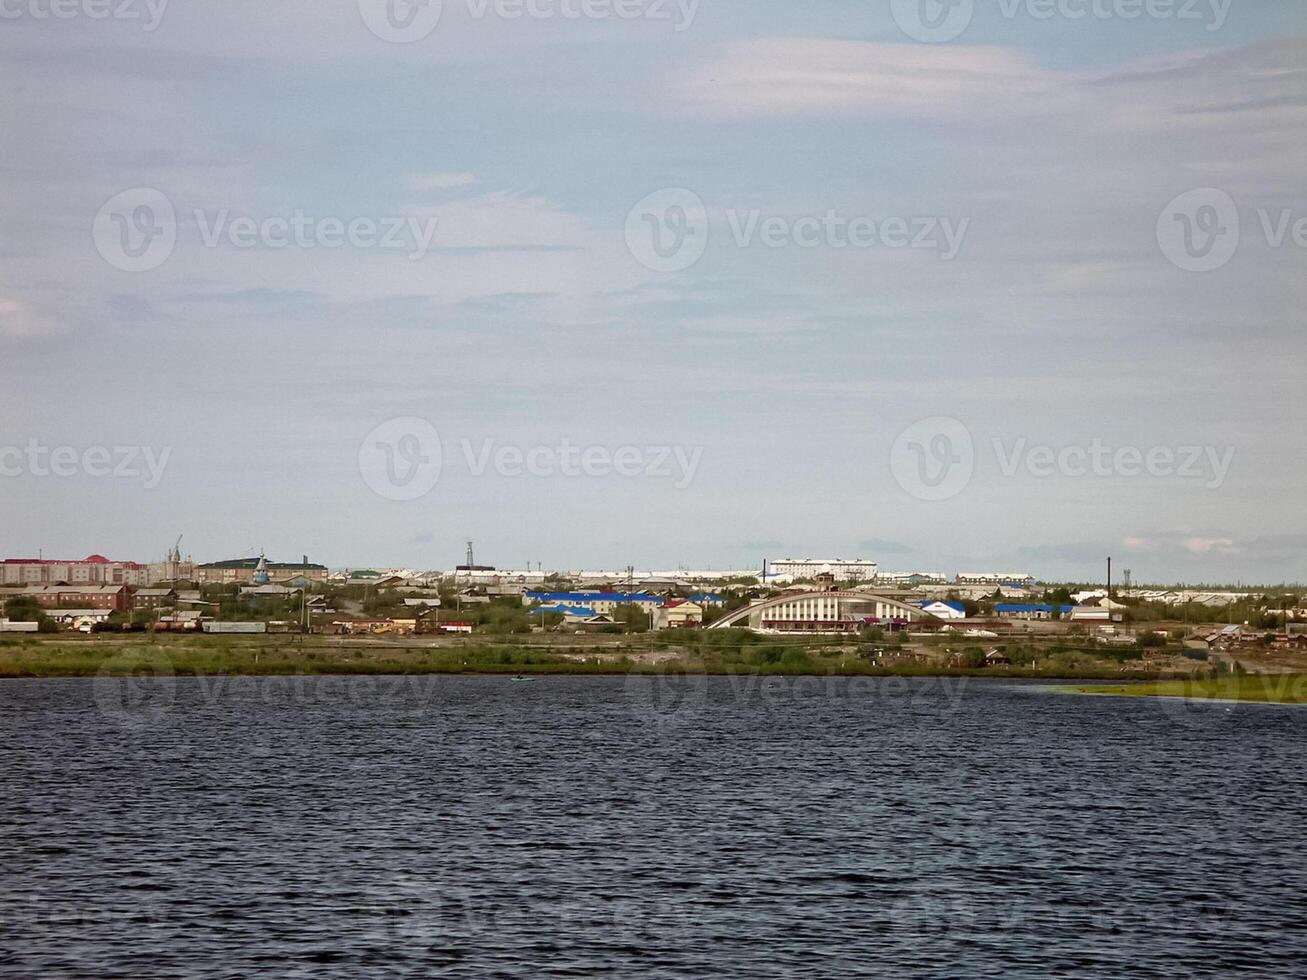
1181,543
798,76
1289,546
19,320
440,181
1254,97
1201,546
1260,86
257,297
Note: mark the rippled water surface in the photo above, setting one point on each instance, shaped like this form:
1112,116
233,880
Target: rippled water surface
575,826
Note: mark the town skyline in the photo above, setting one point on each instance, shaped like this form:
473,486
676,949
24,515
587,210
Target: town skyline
1024,289
180,565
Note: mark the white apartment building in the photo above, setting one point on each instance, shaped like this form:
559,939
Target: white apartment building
844,569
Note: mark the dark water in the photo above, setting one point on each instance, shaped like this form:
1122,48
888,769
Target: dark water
477,827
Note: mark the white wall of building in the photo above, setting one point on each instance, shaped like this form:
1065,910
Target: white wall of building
844,569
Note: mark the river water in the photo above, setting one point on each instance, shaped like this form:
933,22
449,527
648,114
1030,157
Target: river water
645,827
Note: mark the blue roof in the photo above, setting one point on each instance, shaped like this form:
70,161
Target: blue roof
952,604
1026,607
583,597
706,597
565,609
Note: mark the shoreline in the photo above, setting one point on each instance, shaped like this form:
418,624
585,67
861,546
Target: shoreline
142,667
1284,689
176,657
706,655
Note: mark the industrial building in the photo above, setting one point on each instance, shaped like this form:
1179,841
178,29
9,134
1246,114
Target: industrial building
115,597
1030,610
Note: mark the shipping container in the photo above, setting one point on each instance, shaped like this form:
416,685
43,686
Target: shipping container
213,626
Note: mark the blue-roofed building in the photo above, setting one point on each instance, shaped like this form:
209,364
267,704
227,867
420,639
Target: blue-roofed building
1029,610
563,609
574,616
602,603
944,609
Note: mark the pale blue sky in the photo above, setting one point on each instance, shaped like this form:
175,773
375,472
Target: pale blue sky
789,373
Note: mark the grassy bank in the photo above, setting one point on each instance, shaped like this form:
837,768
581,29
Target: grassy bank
263,655
1277,688
204,657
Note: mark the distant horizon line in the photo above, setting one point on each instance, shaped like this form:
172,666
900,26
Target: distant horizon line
619,573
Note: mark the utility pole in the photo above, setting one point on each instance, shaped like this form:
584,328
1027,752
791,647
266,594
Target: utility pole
630,587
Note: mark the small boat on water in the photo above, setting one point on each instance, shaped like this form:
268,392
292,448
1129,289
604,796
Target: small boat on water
519,677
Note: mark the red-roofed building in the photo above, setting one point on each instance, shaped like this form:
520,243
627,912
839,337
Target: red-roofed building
92,570
678,614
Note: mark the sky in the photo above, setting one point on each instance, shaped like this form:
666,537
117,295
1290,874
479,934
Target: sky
989,284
